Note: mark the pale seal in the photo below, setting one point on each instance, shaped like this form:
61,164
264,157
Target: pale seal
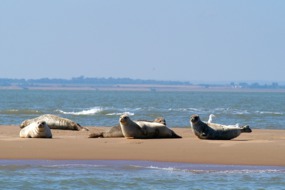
37,129
55,122
215,131
144,129
116,131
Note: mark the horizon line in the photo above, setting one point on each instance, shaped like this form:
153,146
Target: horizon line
158,80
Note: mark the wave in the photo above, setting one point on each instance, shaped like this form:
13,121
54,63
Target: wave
225,111
111,111
197,169
121,113
74,166
91,111
148,165
241,112
269,113
20,112
100,110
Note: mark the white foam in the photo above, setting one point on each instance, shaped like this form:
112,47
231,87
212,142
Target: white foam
270,113
121,113
91,111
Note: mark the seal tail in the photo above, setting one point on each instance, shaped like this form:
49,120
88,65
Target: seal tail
96,135
80,128
246,129
84,129
174,135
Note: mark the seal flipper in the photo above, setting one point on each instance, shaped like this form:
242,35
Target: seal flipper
84,129
80,128
246,129
156,133
174,135
96,135
144,130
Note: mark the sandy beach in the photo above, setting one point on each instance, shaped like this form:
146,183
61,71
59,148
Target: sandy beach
261,147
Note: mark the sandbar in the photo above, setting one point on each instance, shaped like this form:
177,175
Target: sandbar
261,147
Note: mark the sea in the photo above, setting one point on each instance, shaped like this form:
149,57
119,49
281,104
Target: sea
259,110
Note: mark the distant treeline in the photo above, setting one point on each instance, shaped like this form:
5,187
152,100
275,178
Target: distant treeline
85,81
256,85
245,85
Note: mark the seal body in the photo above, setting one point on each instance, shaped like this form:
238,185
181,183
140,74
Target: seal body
144,129
55,122
216,131
37,129
130,129
116,131
156,130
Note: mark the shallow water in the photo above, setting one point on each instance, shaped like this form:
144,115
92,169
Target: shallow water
100,174
103,108
96,108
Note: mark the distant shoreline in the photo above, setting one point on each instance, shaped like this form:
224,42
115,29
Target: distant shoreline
129,84
141,87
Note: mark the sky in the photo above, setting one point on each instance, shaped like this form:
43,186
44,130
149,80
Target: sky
178,40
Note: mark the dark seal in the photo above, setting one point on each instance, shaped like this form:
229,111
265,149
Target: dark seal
215,131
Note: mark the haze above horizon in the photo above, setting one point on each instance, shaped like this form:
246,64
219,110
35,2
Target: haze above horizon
205,41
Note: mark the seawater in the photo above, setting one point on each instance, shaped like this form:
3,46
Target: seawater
100,174
103,108
263,110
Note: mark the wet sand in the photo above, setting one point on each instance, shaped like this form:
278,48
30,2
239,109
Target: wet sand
261,147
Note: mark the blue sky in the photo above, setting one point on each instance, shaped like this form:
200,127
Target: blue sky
208,41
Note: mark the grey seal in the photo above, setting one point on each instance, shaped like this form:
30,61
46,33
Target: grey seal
215,131
55,122
144,129
37,129
116,130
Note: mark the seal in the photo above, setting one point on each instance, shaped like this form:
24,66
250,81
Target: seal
37,129
55,122
215,131
144,129
116,131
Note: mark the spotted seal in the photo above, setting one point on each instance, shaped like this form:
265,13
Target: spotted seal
144,129
38,129
216,131
55,122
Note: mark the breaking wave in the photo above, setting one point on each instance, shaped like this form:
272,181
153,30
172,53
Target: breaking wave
99,110
91,111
